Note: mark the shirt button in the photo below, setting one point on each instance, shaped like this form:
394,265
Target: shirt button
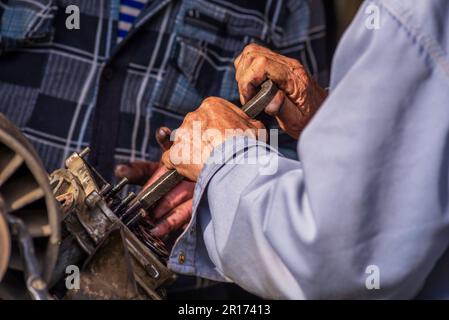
181,258
107,73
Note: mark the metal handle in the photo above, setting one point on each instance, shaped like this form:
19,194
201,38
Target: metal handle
150,195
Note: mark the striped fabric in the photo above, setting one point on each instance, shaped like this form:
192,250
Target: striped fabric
129,11
182,52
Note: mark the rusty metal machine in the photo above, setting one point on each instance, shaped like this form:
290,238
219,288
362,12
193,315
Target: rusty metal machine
72,218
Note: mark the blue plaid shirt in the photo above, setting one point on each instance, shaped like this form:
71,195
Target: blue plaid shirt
71,88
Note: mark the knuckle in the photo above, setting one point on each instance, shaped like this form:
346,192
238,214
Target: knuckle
250,48
190,116
272,112
260,60
166,158
294,63
236,60
209,102
171,223
244,90
165,225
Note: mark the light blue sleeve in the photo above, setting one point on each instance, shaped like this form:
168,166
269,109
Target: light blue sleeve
371,188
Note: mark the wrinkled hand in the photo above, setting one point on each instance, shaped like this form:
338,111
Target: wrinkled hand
300,96
175,209
215,121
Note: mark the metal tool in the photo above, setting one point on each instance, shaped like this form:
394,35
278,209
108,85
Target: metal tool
150,195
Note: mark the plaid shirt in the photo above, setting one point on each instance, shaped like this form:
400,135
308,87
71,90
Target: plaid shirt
71,88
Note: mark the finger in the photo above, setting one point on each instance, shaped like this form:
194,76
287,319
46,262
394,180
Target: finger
249,48
275,105
253,77
241,70
257,124
181,193
177,218
238,64
137,172
244,61
237,61
166,160
163,138
156,175
238,111
251,123
290,119
269,65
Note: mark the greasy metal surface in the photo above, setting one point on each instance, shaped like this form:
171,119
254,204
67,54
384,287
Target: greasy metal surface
5,241
148,197
90,206
26,191
108,274
120,268
76,165
78,193
149,270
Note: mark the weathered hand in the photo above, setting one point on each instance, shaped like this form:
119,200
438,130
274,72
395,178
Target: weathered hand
300,96
215,121
175,209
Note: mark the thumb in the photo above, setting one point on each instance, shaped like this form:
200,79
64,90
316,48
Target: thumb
163,138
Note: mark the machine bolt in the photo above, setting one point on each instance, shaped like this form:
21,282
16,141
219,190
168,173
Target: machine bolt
84,152
105,189
119,186
124,203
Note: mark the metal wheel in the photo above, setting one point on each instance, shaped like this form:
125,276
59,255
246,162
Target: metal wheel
26,194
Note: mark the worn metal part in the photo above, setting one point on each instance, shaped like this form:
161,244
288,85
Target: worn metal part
119,269
108,273
92,217
35,284
78,212
150,195
27,196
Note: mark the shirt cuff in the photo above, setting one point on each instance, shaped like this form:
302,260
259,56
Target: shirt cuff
189,254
